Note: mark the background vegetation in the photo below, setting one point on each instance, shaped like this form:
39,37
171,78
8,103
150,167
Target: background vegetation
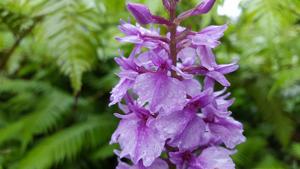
57,68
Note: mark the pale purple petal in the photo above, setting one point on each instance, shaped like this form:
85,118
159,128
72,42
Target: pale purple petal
192,87
207,58
214,32
205,40
187,56
137,140
192,136
157,164
182,159
123,165
214,158
172,124
201,100
160,91
120,90
208,83
209,36
219,77
181,73
228,131
227,68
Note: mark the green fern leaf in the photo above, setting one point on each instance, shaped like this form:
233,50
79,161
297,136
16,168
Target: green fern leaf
48,112
66,144
71,39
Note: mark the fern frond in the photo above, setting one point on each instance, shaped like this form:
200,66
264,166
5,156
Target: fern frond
51,107
66,144
71,39
286,78
272,16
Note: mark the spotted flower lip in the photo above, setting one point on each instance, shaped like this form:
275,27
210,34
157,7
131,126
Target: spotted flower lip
166,108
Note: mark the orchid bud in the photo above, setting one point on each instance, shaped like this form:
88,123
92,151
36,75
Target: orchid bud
167,4
202,8
141,13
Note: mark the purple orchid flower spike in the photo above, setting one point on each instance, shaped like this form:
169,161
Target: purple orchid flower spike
166,109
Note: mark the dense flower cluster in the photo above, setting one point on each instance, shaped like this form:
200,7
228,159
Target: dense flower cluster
170,119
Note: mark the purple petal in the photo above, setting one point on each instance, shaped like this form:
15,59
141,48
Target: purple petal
138,141
192,87
192,136
205,40
209,36
123,165
120,90
172,124
198,70
227,68
141,13
228,131
201,100
182,159
207,58
208,83
213,158
214,32
219,77
157,164
160,91
181,73
187,56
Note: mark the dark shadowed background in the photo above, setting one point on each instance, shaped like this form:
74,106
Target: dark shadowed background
57,69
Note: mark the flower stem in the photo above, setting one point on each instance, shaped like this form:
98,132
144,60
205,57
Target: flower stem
173,31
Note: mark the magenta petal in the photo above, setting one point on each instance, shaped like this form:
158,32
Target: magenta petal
141,13
137,140
214,158
160,91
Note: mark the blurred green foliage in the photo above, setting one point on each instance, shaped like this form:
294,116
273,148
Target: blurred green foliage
57,68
